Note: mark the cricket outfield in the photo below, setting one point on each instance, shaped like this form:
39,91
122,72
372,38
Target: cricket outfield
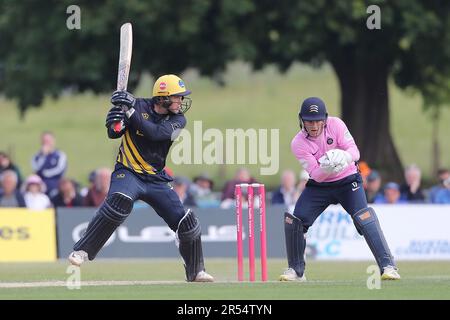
158,279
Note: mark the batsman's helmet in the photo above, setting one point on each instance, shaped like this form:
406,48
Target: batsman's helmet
171,85
313,109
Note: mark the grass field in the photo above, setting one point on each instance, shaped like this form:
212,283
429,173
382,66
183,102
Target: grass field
164,280
265,99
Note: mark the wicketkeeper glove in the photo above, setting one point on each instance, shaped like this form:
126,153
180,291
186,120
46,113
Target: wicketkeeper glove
325,164
339,157
335,160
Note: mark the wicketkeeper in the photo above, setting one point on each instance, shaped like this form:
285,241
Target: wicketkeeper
149,127
327,151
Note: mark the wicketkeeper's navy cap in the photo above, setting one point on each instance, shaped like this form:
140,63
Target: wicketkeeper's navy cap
313,109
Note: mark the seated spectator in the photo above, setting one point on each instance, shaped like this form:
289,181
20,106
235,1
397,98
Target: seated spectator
67,195
9,195
443,195
242,176
411,191
6,164
49,163
442,175
181,186
201,190
91,181
301,185
34,193
373,186
287,192
391,194
98,192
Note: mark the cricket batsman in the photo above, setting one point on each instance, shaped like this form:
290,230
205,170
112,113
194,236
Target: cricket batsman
327,151
149,127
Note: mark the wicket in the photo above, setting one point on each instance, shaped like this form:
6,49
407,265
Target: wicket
251,236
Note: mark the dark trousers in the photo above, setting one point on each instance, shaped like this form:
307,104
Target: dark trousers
349,192
158,193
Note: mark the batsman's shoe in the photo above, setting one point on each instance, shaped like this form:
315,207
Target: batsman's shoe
203,276
290,275
78,257
390,273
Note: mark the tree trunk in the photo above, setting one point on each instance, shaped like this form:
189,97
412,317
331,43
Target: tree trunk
435,153
365,110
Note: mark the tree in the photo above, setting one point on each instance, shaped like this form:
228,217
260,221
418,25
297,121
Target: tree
412,46
39,55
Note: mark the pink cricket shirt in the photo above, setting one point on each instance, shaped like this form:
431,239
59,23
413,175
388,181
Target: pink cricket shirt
309,150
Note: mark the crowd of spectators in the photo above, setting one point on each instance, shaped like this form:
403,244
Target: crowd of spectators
200,193
411,191
49,187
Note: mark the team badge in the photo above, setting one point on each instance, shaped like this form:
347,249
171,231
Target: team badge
145,115
329,140
314,108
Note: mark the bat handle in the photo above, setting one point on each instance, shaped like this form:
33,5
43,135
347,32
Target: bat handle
118,126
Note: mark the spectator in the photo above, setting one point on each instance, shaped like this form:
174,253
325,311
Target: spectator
242,176
373,186
287,192
98,192
9,195
181,187
391,194
67,195
91,180
201,190
442,175
443,195
34,193
411,191
6,164
49,163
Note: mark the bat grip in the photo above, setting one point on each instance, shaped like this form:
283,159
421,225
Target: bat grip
117,126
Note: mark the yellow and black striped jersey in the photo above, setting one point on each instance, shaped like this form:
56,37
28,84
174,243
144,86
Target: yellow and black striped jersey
147,139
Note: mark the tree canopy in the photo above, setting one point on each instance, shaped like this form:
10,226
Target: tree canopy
39,55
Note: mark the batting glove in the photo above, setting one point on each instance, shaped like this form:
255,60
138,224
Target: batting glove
123,98
115,114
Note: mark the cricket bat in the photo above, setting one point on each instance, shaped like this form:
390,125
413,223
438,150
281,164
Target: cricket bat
126,48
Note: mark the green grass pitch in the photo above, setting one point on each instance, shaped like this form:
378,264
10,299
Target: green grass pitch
158,279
